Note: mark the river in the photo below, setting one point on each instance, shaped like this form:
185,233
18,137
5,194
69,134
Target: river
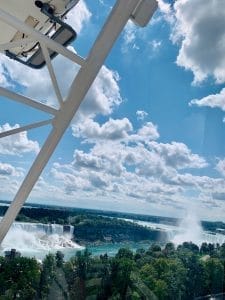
37,240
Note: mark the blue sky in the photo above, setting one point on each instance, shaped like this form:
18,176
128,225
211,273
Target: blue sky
149,136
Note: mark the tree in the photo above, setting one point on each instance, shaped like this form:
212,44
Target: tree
124,253
222,251
161,289
19,278
59,256
173,273
148,275
169,249
47,274
189,246
194,281
121,267
204,249
214,275
155,248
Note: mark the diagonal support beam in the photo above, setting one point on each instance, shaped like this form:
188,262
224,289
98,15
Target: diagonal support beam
27,101
25,128
52,73
79,88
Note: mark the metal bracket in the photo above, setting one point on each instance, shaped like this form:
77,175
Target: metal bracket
64,35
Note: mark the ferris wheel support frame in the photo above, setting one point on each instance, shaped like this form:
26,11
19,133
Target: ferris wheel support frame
89,68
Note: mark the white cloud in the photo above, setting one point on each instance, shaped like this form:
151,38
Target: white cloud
7,170
164,7
178,155
78,16
200,25
111,130
220,167
71,181
155,45
103,96
118,129
213,101
17,144
141,114
10,177
133,167
149,131
129,37
99,162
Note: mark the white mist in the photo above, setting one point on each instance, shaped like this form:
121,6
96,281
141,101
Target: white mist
35,239
190,230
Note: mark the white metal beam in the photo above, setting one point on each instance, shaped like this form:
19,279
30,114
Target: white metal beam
27,101
25,128
37,36
52,73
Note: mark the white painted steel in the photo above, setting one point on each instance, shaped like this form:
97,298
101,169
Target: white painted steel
17,43
25,128
52,73
37,36
27,101
115,23
143,12
27,12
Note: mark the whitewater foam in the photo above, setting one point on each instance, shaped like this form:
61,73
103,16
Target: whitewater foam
190,230
37,239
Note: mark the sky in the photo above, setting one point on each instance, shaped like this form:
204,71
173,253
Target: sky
149,135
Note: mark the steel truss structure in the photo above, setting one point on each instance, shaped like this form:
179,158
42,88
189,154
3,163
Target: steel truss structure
89,68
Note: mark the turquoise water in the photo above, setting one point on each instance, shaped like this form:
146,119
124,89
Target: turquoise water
112,249
96,250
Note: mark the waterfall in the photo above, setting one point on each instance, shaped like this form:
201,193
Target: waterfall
190,230
39,227
37,239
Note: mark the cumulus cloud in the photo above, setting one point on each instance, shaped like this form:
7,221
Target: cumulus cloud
8,170
131,166
200,26
98,162
164,7
78,16
114,129
220,167
178,155
69,179
30,80
111,130
102,98
17,144
155,45
141,114
149,132
155,174
219,195
104,94
129,37
133,36
213,101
